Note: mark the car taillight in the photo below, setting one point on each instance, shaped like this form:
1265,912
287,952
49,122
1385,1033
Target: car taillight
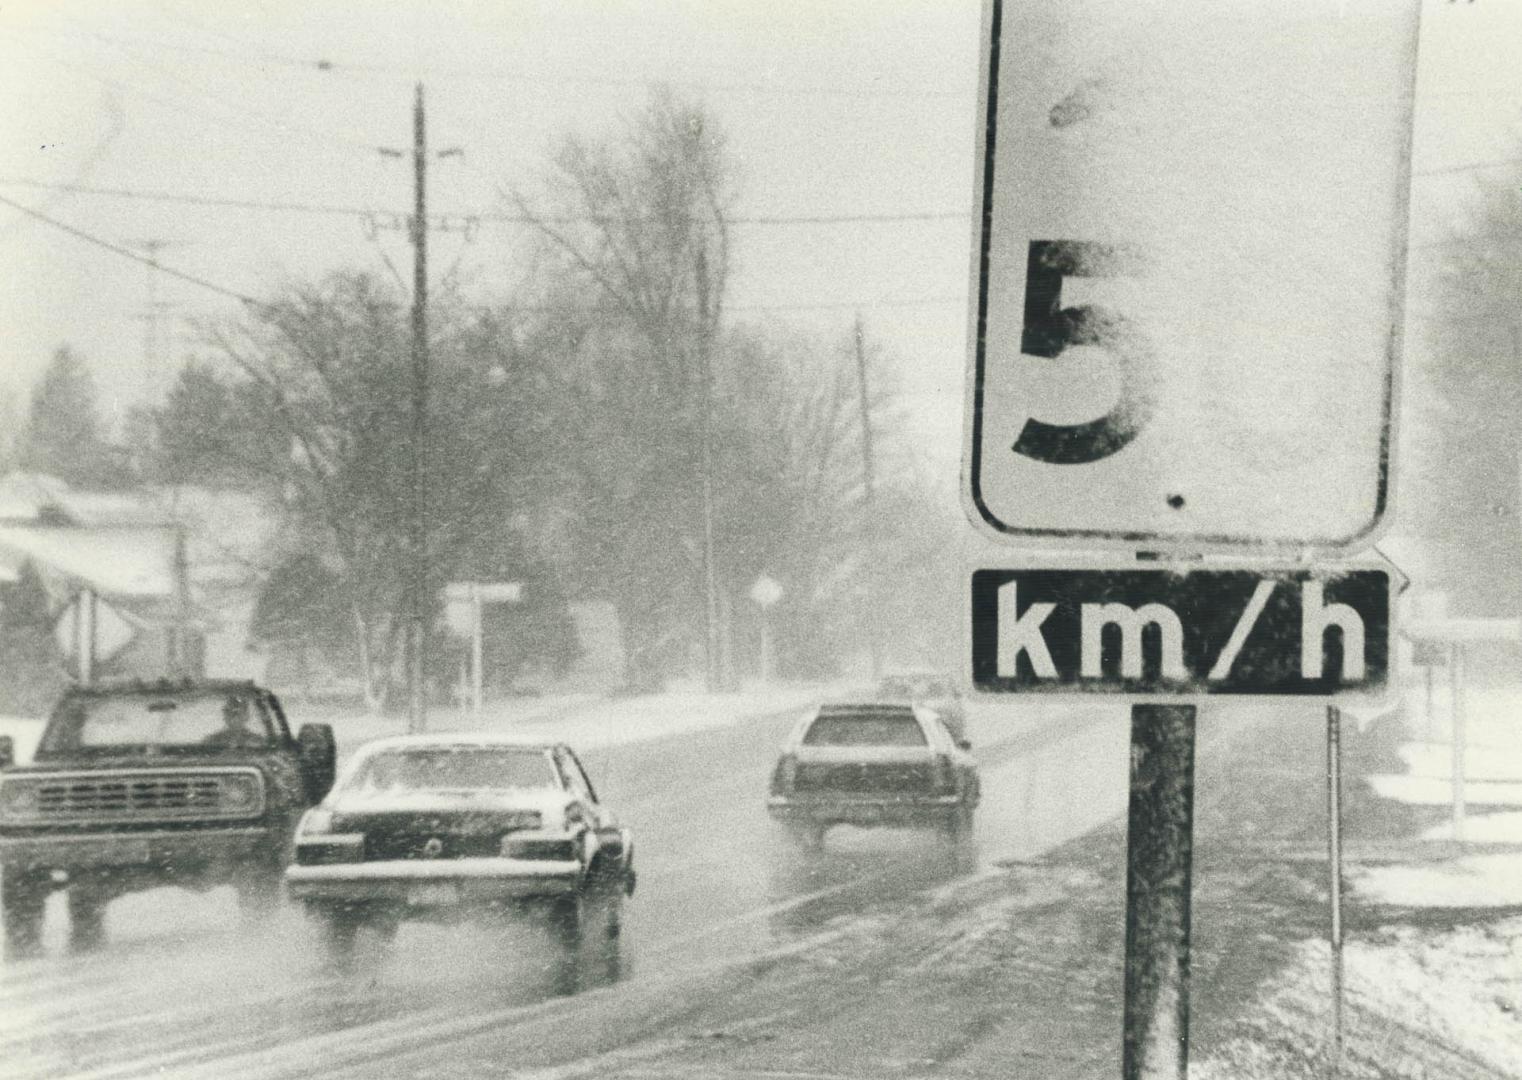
945,778
786,772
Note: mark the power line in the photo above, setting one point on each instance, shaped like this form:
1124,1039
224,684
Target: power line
495,216
127,253
330,65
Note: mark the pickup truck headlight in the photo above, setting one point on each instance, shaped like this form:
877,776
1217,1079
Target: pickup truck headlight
241,793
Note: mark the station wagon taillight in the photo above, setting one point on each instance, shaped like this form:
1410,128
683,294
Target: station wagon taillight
786,772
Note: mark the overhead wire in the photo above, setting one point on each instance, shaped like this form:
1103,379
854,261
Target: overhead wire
244,298
338,209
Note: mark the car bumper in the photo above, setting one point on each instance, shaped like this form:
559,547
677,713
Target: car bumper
433,883
929,810
165,847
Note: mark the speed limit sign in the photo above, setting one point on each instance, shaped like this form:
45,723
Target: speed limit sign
1189,271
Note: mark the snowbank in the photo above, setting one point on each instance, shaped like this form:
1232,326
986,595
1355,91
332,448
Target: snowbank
1474,881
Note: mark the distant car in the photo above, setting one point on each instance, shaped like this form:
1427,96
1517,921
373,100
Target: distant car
873,764
934,691
135,785
442,826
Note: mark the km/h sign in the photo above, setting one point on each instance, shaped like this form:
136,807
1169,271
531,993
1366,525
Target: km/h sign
1160,632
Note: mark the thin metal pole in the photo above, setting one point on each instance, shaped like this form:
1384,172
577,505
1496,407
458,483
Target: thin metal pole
874,638
418,704
710,571
1159,860
477,635
1334,853
1456,723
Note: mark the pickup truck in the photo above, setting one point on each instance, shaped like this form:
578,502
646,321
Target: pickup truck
135,785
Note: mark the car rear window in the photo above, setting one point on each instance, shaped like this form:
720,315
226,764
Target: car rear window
451,768
865,729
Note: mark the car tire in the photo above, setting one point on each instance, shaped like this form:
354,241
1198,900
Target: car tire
809,838
337,928
23,895
958,827
87,918
587,927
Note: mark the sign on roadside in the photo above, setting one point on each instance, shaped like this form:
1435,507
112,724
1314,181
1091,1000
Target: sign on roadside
1188,272
1159,632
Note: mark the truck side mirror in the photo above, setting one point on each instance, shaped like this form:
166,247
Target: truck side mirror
7,751
319,756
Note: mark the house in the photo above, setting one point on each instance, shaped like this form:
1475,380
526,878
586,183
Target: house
115,571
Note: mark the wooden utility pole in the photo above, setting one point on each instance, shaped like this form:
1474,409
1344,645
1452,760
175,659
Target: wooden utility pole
417,716
874,639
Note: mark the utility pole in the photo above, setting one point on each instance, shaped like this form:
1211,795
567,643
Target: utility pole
155,309
417,715
874,639
417,591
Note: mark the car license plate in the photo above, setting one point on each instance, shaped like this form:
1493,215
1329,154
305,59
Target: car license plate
434,894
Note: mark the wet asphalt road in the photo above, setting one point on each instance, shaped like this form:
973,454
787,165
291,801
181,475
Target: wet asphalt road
184,988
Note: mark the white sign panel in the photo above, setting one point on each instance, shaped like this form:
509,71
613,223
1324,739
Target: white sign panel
1189,271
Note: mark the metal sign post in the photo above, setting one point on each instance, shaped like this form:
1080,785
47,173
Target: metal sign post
1159,856
1456,722
1334,854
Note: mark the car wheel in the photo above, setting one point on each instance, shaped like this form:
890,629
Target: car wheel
22,896
337,927
958,827
587,928
808,838
87,918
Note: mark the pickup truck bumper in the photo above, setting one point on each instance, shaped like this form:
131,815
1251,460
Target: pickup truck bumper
895,811
433,883
168,847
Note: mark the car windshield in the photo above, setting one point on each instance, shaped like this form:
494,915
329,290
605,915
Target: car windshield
471,768
865,729
143,722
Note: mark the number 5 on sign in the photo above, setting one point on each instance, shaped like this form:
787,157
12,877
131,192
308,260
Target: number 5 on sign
1189,269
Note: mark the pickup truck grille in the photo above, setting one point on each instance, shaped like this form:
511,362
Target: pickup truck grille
130,796
862,778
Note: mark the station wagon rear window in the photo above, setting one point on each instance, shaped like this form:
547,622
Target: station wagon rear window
865,728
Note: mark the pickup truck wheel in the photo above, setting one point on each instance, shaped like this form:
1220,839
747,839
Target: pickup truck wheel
22,896
87,918
259,894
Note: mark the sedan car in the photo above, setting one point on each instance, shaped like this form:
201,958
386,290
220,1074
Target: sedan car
441,826
873,764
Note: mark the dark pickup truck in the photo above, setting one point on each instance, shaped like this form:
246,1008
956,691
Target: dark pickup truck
141,784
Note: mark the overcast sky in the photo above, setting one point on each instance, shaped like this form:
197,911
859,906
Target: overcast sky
835,110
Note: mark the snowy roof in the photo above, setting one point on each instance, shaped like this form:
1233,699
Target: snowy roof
133,561
35,497
460,740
